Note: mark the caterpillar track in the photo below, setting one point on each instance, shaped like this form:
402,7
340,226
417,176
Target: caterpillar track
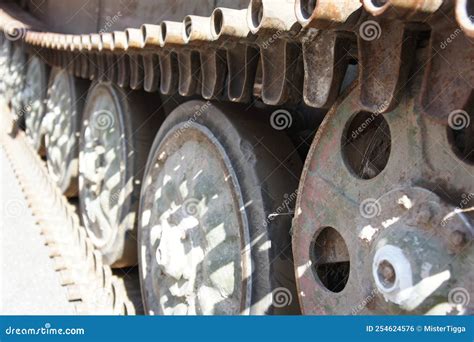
375,98
91,286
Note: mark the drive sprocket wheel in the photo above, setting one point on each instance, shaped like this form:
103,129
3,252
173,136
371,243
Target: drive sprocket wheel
383,221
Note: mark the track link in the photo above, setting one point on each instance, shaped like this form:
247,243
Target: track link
91,286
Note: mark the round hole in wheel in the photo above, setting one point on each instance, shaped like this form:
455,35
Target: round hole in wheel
204,233
117,132
330,261
460,132
366,144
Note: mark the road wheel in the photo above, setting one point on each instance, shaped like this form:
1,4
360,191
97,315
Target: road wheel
34,97
214,215
116,135
66,95
15,80
5,55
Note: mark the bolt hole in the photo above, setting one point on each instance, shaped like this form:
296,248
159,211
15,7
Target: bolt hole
163,32
470,10
144,33
366,145
256,12
461,136
307,8
188,27
330,259
217,21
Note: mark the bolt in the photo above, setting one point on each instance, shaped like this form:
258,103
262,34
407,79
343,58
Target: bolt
425,214
386,273
392,272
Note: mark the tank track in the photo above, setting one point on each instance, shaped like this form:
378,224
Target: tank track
281,51
91,286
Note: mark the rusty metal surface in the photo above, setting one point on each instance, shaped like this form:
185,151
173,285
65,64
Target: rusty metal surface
296,62
415,66
369,213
